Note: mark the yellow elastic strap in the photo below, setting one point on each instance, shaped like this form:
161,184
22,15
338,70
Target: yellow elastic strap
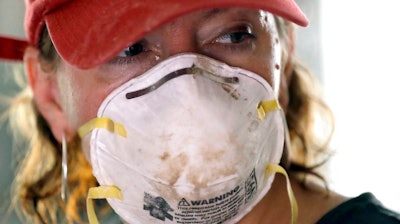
102,122
274,168
264,107
101,192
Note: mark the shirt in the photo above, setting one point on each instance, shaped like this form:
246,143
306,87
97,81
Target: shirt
364,209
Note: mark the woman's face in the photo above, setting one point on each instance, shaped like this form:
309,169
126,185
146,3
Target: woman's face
239,37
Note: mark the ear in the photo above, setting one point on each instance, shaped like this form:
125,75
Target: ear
43,83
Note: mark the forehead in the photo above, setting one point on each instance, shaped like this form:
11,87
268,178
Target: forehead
198,21
210,15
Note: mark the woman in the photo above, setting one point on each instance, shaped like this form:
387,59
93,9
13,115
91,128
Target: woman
178,109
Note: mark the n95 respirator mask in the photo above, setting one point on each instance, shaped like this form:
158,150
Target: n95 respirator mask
186,142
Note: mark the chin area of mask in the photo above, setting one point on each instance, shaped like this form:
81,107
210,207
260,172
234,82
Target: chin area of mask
103,192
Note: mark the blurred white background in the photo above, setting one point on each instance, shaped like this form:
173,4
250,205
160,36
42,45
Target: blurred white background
361,47
353,48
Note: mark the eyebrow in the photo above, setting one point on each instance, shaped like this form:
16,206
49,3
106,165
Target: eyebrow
210,14
216,12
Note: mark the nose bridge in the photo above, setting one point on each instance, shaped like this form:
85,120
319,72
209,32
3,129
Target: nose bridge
178,37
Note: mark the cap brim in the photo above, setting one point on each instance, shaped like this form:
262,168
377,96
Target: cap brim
89,33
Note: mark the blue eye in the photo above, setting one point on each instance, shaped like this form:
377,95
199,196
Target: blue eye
234,37
132,50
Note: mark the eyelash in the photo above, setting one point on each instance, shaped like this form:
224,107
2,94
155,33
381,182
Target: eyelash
244,34
125,57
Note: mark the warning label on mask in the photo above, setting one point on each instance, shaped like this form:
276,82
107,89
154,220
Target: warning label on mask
216,209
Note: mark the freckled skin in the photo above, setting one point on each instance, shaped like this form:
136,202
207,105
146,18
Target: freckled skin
82,91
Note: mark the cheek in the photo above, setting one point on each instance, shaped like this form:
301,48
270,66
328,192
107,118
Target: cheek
273,60
275,64
80,99
266,62
83,91
270,47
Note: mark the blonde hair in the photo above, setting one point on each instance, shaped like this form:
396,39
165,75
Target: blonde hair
38,180
37,185
306,112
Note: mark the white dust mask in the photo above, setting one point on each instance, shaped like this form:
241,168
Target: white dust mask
186,142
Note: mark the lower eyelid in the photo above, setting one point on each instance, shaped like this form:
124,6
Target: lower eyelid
246,44
135,65
123,60
119,60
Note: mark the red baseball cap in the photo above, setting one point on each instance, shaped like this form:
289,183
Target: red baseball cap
87,33
12,49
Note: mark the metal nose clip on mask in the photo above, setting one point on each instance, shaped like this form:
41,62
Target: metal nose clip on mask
186,142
